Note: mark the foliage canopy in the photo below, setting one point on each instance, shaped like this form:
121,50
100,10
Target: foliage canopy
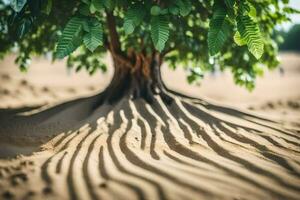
201,35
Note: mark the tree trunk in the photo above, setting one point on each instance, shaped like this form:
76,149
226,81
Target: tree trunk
142,80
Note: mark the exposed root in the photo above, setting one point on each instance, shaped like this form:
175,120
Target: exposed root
172,148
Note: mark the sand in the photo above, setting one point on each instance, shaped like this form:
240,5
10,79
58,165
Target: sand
249,147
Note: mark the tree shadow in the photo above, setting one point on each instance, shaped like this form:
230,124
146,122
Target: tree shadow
23,130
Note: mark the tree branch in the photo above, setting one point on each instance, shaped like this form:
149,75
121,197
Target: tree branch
115,45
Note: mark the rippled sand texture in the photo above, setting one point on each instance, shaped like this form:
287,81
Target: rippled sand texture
184,149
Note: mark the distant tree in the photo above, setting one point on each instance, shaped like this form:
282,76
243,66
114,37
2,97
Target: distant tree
291,40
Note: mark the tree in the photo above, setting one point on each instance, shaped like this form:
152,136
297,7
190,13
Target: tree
141,35
291,42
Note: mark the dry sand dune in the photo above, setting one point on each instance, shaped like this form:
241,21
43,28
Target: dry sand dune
189,149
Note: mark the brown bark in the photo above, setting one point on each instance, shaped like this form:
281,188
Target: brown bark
114,45
141,80
136,74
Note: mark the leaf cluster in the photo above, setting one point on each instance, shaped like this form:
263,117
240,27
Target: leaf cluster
201,36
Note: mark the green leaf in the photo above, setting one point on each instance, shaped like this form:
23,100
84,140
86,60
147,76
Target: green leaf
24,27
84,10
17,5
159,31
164,11
85,25
47,7
86,1
290,10
94,37
219,30
184,6
97,4
133,18
238,40
155,10
230,7
92,9
173,10
285,1
229,3
70,38
250,33
252,12
109,4
128,26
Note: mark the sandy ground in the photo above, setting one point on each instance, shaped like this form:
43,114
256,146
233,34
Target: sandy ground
276,97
